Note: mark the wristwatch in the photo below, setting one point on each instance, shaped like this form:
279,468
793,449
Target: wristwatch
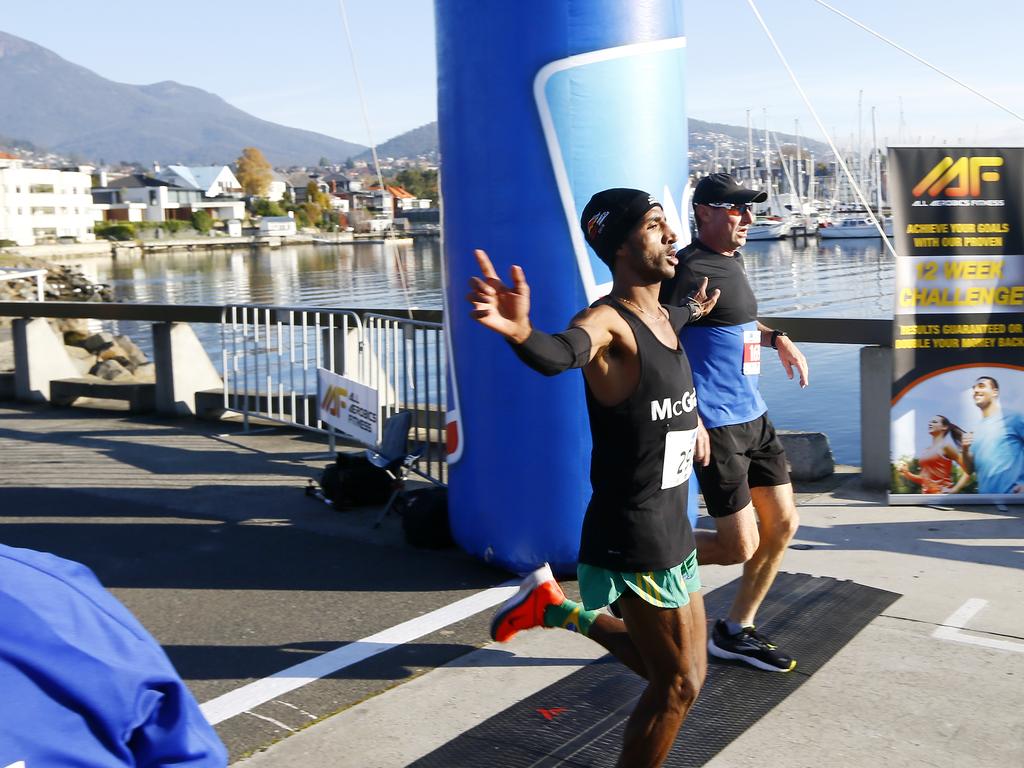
775,337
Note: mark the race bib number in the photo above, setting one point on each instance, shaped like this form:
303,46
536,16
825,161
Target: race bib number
678,458
751,353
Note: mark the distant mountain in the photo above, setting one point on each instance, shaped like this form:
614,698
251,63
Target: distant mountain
704,135
702,139
418,141
51,103
70,110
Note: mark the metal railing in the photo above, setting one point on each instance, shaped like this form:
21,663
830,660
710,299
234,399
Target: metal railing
405,361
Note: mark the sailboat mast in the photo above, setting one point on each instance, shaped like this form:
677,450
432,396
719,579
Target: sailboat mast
877,157
798,177
750,151
767,161
810,179
860,140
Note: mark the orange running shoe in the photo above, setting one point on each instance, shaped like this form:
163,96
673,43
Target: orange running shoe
525,608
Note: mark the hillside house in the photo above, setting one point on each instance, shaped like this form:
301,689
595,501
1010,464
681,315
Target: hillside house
211,180
162,199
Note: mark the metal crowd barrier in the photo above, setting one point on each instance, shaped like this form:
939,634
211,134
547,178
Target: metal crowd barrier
270,357
404,360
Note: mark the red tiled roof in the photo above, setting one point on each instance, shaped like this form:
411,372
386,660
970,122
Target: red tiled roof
400,192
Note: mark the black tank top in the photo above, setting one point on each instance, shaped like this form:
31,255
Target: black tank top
642,459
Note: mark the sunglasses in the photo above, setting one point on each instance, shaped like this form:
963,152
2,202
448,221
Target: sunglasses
734,209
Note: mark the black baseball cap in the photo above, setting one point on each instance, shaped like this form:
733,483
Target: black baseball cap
609,217
723,188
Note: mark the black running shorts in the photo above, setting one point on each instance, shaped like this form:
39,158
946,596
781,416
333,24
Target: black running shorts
743,456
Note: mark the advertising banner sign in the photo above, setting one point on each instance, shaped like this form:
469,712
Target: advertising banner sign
348,406
958,346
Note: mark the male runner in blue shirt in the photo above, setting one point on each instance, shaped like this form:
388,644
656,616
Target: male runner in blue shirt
747,481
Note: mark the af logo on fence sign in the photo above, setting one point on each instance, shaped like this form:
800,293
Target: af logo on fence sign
348,406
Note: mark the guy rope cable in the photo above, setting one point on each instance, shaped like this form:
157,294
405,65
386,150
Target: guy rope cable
399,265
914,56
821,126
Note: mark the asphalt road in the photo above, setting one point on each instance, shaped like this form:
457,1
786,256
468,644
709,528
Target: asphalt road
206,534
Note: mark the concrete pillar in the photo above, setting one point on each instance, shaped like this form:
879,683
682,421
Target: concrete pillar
182,369
875,399
39,357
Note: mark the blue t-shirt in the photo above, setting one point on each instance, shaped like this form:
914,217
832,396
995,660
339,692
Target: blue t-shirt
998,452
724,347
81,681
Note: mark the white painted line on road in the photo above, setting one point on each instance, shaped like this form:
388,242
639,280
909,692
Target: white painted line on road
252,695
272,721
958,621
310,715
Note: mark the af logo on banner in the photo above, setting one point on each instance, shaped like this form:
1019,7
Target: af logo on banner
348,406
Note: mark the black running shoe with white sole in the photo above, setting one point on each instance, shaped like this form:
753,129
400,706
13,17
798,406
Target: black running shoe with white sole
750,647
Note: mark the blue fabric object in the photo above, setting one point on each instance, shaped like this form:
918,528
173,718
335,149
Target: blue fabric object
725,395
998,452
82,683
557,99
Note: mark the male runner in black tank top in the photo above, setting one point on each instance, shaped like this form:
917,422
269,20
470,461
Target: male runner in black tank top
637,550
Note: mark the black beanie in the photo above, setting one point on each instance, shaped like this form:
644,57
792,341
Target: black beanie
609,217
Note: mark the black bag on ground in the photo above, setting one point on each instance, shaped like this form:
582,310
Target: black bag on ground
352,481
424,513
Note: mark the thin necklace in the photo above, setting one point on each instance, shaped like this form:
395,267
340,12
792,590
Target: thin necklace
661,316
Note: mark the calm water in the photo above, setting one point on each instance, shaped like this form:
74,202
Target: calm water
846,279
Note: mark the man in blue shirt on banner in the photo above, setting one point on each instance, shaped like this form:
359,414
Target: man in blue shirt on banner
746,486
82,682
995,449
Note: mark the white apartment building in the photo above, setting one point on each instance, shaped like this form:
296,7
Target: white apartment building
44,205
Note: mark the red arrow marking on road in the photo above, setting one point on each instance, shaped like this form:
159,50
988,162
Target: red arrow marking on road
551,714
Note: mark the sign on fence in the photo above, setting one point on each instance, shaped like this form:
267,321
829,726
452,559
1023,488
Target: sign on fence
348,406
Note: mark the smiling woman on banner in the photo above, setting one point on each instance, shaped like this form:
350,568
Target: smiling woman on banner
935,473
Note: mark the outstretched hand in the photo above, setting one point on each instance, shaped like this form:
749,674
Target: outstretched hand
701,302
497,306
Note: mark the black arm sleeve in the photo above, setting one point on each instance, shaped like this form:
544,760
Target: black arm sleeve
551,354
680,316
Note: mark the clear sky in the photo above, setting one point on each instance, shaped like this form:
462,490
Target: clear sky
289,63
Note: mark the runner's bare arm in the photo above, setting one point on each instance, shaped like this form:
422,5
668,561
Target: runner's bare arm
789,355
702,447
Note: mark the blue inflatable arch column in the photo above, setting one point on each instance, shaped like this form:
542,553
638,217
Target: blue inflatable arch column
541,103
